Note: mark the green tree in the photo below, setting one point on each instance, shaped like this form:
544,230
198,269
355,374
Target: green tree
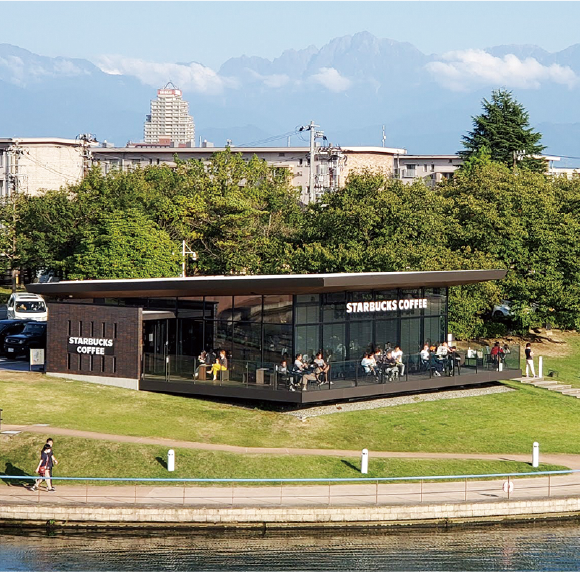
503,128
124,244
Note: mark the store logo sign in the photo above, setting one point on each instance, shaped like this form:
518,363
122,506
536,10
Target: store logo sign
95,346
386,305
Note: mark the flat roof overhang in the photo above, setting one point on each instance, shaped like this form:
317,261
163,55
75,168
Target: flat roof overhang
261,284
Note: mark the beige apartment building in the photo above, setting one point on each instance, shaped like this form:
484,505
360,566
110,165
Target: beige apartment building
332,165
32,165
169,120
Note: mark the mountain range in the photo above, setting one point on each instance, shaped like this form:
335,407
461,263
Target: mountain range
350,87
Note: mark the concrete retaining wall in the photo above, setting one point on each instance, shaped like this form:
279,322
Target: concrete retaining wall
289,516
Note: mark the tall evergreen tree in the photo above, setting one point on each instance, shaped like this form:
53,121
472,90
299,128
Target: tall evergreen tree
503,128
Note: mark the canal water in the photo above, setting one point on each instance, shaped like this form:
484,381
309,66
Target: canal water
544,546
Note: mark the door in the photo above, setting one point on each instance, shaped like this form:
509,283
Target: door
156,349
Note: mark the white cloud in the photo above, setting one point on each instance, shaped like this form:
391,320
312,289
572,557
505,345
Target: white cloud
192,77
331,80
274,80
462,70
19,72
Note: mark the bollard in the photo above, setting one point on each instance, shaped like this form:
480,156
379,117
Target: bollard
364,462
536,455
171,460
540,367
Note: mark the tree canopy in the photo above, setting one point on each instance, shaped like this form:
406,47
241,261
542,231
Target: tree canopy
245,217
503,129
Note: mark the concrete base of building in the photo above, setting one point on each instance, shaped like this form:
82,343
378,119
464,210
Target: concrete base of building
125,383
284,517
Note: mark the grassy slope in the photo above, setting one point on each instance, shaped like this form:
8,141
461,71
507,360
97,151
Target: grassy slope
501,423
82,457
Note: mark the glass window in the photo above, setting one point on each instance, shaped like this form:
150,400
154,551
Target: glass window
435,330
334,342
307,314
386,333
162,303
278,309
361,339
218,335
189,337
436,301
247,309
218,307
247,341
277,343
191,307
307,340
413,308
411,335
334,307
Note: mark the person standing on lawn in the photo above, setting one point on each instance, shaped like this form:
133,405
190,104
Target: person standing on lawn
530,360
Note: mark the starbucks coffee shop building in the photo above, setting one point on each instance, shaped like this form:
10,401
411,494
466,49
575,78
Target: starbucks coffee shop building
148,333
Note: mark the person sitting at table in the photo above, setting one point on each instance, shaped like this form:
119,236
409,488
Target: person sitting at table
497,354
443,350
302,369
322,367
202,360
398,357
425,355
390,366
369,365
221,364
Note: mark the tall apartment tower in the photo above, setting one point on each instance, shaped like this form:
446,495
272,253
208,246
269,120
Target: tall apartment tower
169,121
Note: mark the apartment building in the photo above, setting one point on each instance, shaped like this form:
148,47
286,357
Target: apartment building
32,165
169,120
331,165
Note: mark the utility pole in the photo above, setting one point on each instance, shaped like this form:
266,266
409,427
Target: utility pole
86,139
384,136
313,136
14,152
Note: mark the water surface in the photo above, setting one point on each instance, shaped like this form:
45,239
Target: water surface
545,546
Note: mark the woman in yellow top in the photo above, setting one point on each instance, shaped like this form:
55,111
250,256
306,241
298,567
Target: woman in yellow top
221,364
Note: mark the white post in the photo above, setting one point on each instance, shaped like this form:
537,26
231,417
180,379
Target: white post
364,462
183,259
536,455
540,367
171,460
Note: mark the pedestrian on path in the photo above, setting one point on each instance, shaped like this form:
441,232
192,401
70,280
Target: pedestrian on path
44,468
530,360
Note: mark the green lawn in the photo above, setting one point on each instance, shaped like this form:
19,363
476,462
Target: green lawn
568,366
500,423
88,458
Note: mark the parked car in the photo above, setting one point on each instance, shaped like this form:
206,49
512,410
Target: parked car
23,306
32,336
9,327
502,310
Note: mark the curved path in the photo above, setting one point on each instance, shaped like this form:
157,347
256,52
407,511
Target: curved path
563,459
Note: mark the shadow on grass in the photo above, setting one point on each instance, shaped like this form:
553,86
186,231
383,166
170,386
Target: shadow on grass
350,465
13,471
162,462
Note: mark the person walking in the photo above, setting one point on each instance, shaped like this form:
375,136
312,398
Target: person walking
44,468
529,360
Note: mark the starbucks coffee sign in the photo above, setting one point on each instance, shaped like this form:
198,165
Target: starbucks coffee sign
95,346
386,305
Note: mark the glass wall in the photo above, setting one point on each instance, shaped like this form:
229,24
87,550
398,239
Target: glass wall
267,329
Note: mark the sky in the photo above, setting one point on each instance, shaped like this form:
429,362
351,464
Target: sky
212,32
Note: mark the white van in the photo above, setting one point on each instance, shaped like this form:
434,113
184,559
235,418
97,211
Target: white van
26,307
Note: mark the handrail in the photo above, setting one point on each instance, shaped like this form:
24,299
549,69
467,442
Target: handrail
292,480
